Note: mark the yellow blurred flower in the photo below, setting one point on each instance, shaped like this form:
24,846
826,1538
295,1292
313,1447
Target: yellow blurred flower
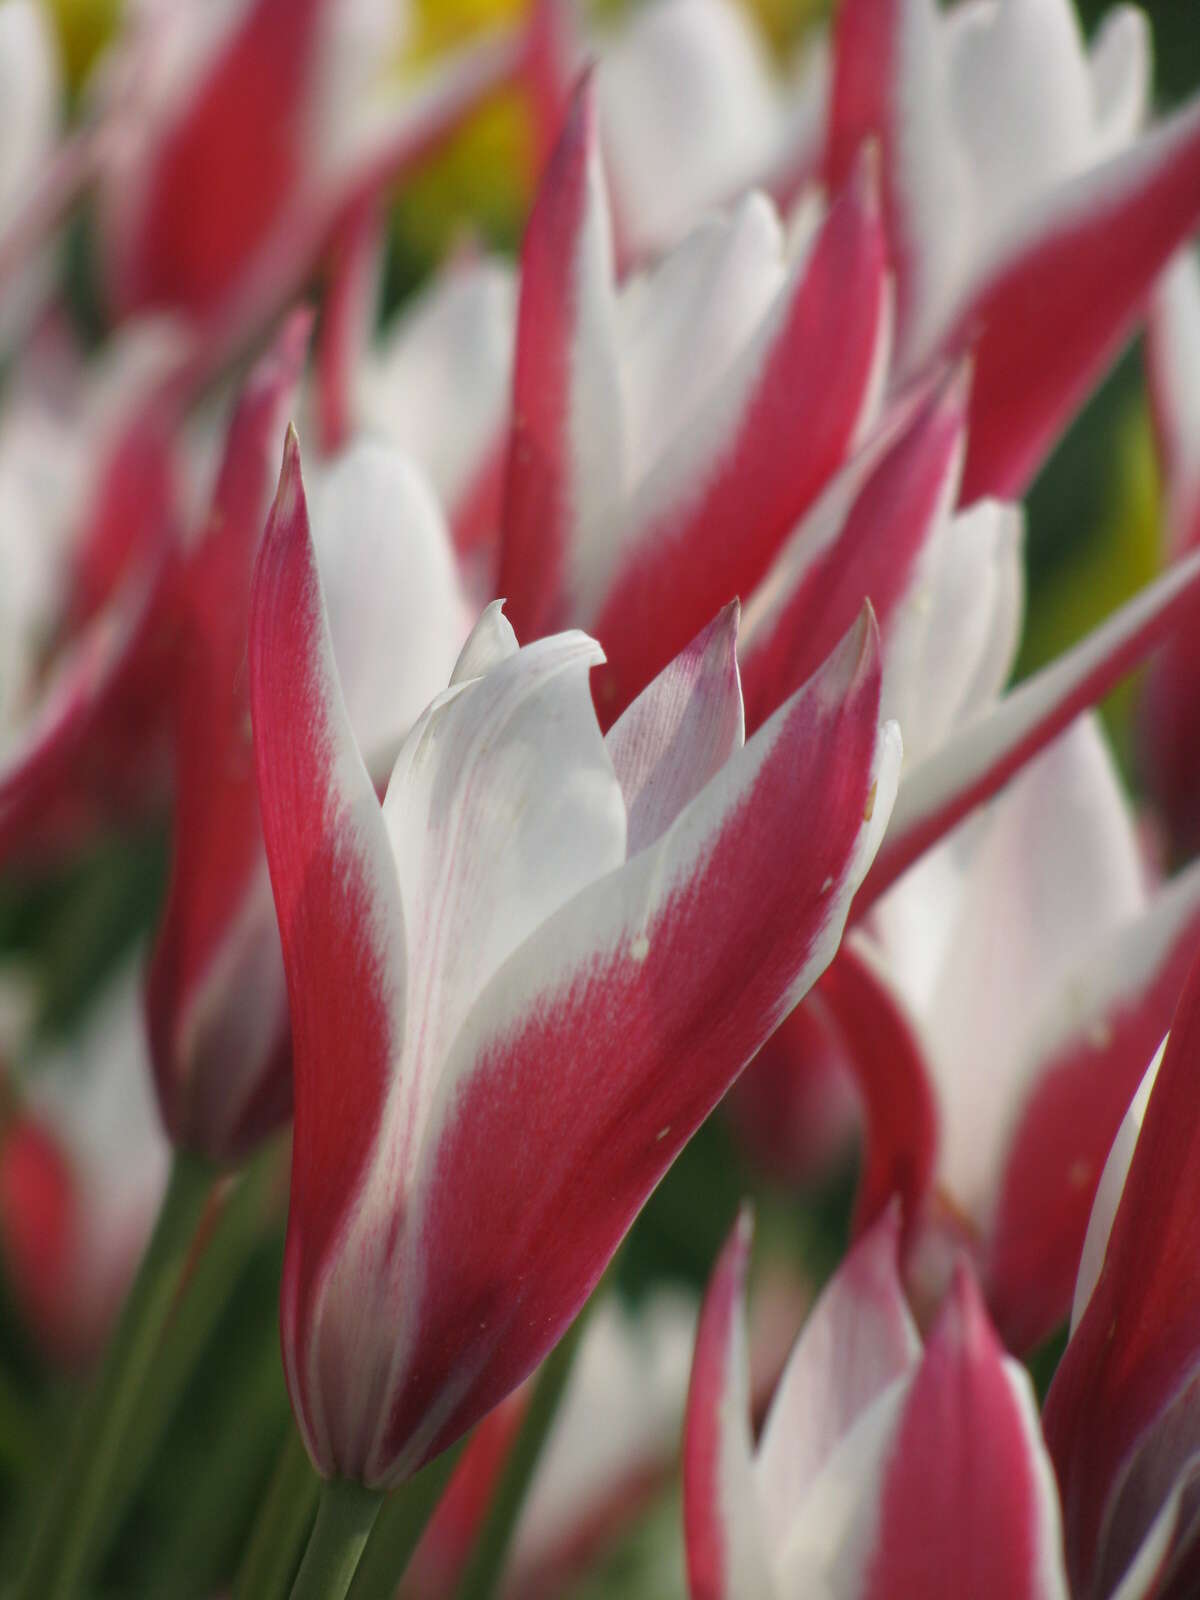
84,27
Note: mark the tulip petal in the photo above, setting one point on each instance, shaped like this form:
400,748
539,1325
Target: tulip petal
437,386
1134,1352
900,1110
692,113
983,755
340,920
194,208
969,1505
347,322
1086,1061
397,612
216,994
726,1550
679,731
478,879
858,1339
566,409
756,455
1055,860
690,953
1056,312
819,580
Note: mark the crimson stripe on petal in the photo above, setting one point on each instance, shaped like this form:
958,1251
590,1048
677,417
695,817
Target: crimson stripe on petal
226,168
718,1490
899,1103
337,900
1048,321
858,1340
968,1504
217,839
1121,1006
816,359
874,555
538,494
1137,1343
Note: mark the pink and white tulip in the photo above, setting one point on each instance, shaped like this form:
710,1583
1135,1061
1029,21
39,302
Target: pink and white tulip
1027,216
494,978
883,1470
721,390
243,140
1022,973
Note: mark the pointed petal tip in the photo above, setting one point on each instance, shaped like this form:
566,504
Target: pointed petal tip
733,1264
581,115
952,389
859,655
963,1319
289,495
865,183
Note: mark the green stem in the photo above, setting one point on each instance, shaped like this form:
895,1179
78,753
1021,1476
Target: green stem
486,1566
22,1433
241,1224
283,1526
65,1542
344,1518
396,1534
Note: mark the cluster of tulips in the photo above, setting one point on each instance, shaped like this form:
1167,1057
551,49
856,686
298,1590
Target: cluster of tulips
589,687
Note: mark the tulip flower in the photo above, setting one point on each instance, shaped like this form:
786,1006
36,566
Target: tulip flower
723,389
883,1470
1012,170
1120,1417
495,979
1026,211
83,1164
1022,973
187,221
631,456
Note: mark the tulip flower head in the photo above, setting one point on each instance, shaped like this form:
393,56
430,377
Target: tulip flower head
518,987
884,1471
1031,965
